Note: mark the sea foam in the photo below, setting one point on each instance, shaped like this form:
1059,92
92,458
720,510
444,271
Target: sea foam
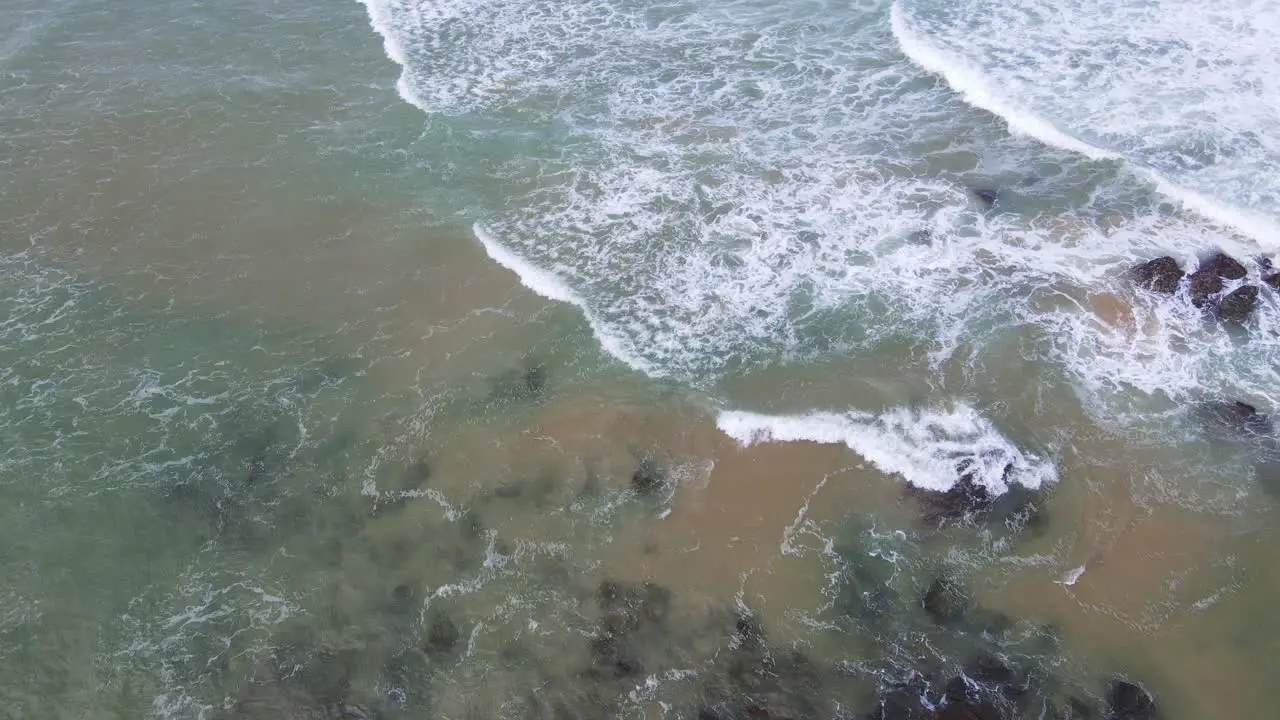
924,447
1185,95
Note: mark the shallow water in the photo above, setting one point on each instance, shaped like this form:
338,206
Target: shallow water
610,380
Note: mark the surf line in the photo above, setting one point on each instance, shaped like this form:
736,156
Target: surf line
970,83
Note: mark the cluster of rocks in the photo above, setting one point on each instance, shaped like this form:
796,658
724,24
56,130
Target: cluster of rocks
967,501
1205,285
992,685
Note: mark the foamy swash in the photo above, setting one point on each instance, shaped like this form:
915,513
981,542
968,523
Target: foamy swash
1185,94
730,184
924,447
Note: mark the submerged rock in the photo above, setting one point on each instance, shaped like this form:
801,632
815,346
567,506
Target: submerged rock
1161,275
1237,305
629,611
648,477
416,475
1128,701
1071,708
528,383
403,599
903,701
442,635
1239,418
986,196
968,500
965,499
968,710
990,669
946,601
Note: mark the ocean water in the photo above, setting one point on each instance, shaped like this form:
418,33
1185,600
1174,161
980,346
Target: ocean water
605,358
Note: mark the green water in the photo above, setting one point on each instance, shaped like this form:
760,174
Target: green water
279,440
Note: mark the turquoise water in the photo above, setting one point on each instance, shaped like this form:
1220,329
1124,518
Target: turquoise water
593,386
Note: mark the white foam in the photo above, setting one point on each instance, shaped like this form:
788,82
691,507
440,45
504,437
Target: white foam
972,83
536,279
1185,94
924,447
1070,577
735,183
549,286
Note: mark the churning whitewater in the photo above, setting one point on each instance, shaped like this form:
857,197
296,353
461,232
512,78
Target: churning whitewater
727,185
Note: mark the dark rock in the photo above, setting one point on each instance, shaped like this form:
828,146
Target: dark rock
957,690
327,675
990,669
902,702
1224,267
946,601
442,635
921,237
648,477
655,603
986,196
963,700
256,469
534,380
609,658
1236,306
417,474
1273,280
633,615
528,383
766,683
1202,285
1128,701
965,500
402,600
1161,275
611,593
1019,508
509,490
470,525
747,632
1239,418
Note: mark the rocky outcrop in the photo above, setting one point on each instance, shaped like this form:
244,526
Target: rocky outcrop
1128,701
649,475
964,500
1207,280
1202,286
968,501
1161,275
946,601
1236,307
1224,266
